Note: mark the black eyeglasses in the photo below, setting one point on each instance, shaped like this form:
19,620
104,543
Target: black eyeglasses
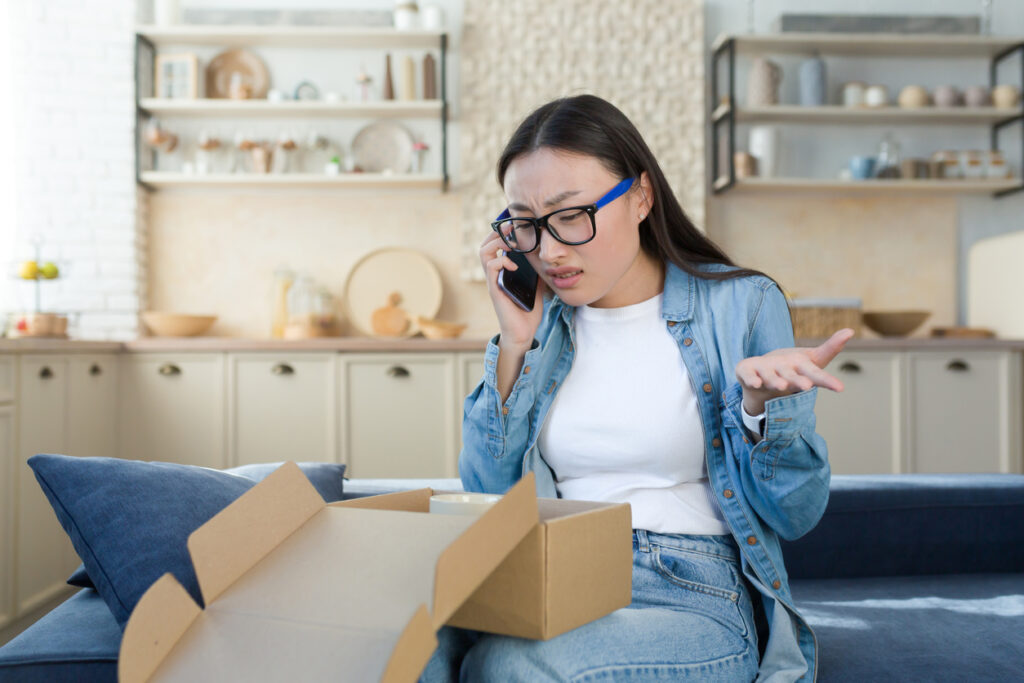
572,225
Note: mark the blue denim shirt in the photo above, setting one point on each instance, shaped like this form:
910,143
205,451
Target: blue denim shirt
776,487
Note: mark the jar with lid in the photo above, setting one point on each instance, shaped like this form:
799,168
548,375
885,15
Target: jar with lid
407,15
283,279
302,303
972,163
888,164
997,166
949,162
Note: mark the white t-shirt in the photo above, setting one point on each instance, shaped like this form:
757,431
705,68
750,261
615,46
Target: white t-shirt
625,426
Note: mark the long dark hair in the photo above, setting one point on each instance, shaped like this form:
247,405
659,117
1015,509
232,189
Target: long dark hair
587,124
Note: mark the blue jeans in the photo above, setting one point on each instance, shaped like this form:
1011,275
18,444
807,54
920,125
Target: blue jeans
691,618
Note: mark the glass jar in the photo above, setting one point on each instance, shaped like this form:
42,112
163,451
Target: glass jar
972,164
996,166
283,279
888,164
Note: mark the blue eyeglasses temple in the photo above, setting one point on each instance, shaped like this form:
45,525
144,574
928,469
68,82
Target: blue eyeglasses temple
615,192
612,195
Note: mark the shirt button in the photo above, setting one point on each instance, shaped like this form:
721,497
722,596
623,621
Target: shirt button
504,410
776,584
671,323
727,493
687,341
526,370
746,440
707,388
716,442
751,540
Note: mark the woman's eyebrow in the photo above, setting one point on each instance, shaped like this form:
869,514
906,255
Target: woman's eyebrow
558,198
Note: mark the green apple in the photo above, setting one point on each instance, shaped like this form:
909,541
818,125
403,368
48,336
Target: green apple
49,270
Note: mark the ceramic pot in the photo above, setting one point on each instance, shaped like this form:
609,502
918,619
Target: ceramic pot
876,96
812,82
763,83
913,97
1006,96
764,146
947,96
853,94
977,96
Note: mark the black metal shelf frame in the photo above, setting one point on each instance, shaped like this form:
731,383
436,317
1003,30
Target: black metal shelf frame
145,61
727,51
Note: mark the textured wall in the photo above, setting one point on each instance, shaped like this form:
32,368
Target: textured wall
645,56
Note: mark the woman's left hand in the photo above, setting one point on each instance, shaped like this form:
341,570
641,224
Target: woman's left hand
789,371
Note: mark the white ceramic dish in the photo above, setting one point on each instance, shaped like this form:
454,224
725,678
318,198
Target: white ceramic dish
462,503
382,147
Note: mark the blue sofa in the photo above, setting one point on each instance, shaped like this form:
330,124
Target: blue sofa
906,578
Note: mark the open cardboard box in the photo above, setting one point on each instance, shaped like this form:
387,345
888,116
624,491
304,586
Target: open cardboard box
357,590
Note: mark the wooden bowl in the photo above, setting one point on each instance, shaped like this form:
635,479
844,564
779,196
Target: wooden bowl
163,324
439,329
894,323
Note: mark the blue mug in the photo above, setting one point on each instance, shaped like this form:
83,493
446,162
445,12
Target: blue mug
862,168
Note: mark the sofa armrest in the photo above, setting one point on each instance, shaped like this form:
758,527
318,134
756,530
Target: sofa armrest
910,524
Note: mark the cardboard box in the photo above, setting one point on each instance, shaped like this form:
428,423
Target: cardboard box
357,590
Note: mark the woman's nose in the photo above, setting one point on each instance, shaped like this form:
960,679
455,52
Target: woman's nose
550,250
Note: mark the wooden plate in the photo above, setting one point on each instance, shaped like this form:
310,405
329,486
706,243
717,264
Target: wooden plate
392,269
248,64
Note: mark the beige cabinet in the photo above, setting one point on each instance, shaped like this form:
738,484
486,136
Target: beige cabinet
44,553
8,367
964,411
92,405
173,408
862,424
282,407
7,510
469,372
397,415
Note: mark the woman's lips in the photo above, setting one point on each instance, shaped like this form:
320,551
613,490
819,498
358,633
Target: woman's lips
567,279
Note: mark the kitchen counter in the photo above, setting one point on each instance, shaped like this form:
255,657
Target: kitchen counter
420,344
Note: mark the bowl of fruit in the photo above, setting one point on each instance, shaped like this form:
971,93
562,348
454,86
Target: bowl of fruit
38,323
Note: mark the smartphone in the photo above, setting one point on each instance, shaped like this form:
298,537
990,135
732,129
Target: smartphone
520,285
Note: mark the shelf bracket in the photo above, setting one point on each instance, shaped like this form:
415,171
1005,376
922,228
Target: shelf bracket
993,69
728,49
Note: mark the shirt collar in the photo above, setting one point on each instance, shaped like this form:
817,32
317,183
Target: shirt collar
677,303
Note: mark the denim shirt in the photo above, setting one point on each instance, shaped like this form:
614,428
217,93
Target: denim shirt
776,487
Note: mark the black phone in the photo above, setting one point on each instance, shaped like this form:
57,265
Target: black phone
520,285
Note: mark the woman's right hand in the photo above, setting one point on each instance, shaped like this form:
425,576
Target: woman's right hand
518,327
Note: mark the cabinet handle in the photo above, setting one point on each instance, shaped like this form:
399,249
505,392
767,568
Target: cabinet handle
397,371
958,366
282,369
95,370
849,367
169,370
45,372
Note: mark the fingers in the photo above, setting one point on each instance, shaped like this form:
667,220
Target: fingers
494,257
823,355
784,375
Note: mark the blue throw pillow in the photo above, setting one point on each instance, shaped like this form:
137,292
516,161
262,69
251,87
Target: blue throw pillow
129,521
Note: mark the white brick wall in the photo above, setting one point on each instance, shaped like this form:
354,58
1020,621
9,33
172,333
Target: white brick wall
73,94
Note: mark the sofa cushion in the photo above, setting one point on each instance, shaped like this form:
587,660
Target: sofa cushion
916,628
886,525
76,641
129,521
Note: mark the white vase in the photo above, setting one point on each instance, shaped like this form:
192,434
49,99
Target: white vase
764,145
166,12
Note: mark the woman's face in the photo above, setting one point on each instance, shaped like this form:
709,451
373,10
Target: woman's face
609,271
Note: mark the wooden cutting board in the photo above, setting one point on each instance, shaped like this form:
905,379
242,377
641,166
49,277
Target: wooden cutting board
995,285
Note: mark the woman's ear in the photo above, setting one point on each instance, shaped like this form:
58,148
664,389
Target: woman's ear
646,196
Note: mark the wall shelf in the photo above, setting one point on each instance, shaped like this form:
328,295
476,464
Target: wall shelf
289,36
263,108
866,116
981,186
169,179
872,44
725,113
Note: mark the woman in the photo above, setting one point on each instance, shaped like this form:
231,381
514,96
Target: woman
651,371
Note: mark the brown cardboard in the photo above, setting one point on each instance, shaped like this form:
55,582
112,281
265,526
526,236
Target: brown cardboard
294,587
574,567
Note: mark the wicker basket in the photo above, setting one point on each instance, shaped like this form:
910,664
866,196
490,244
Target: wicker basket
821,318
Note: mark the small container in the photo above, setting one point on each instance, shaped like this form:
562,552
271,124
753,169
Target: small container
996,166
432,17
913,97
914,168
876,96
949,161
853,94
283,279
888,165
972,164
407,15
977,96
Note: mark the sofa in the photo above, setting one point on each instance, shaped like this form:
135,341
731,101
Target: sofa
905,578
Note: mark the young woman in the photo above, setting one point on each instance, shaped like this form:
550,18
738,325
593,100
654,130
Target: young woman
651,371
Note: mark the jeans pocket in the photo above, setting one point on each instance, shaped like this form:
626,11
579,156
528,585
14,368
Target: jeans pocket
712,580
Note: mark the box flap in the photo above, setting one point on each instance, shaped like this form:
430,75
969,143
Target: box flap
232,542
144,646
465,564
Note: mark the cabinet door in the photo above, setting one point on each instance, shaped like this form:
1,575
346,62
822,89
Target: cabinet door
6,379
172,408
92,406
964,411
861,424
282,408
469,372
44,553
397,415
7,499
